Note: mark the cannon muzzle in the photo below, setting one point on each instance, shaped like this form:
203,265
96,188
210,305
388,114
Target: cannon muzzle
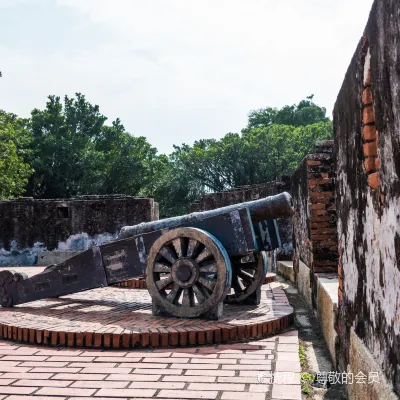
271,207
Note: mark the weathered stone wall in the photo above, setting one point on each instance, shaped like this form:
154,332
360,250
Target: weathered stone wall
367,126
241,194
367,147
314,221
29,226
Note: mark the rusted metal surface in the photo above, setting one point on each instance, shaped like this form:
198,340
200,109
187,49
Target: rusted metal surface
193,260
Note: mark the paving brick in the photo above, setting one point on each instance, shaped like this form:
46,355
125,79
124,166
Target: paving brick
106,353
213,373
133,377
9,363
23,358
41,382
55,364
238,387
186,394
294,348
25,375
47,391
94,365
242,396
157,385
215,365
71,358
117,359
81,377
287,366
157,371
55,370
253,367
101,370
17,390
142,365
12,397
259,388
101,384
287,392
166,360
6,382
212,361
186,378
254,374
237,379
134,393
13,369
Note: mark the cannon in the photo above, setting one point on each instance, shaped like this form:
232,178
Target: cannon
192,264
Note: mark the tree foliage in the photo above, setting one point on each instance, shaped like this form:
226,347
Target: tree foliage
14,142
73,151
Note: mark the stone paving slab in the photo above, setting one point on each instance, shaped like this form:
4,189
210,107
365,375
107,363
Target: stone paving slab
203,372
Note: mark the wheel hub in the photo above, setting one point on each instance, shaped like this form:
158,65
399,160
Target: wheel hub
185,272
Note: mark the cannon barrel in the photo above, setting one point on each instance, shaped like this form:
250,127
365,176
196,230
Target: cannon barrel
271,207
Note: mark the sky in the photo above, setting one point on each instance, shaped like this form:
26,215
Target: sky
176,71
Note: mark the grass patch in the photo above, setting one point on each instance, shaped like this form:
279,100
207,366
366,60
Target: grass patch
305,381
306,377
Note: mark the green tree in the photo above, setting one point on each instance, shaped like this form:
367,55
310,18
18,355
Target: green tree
75,152
14,142
304,113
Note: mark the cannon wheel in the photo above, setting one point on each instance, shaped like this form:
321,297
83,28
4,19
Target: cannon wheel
247,278
188,273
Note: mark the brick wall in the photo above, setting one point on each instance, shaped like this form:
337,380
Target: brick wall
314,222
367,152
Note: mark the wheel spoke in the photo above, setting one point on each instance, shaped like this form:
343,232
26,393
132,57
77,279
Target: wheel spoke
209,268
159,267
179,246
188,297
173,295
167,254
192,247
162,283
206,283
205,253
236,285
200,293
245,275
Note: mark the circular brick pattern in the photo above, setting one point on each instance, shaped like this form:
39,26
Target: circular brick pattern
122,318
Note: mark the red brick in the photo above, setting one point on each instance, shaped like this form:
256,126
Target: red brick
370,149
367,96
368,115
321,194
369,132
373,180
313,163
317,206
367,80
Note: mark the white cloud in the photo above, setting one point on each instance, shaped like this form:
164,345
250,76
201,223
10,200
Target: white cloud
179,70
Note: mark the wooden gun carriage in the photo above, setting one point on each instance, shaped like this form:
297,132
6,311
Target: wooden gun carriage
192,263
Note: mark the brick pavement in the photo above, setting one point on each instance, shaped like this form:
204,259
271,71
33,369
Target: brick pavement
226,371
113,317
